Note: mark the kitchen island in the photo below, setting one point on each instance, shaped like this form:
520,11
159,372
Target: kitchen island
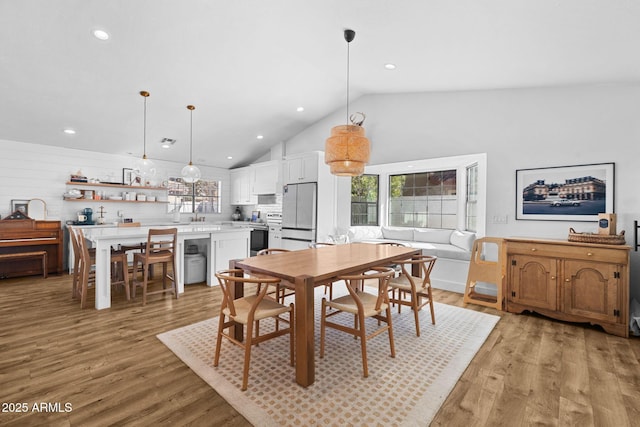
222,244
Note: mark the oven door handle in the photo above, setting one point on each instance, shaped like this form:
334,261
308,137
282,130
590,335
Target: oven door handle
296,239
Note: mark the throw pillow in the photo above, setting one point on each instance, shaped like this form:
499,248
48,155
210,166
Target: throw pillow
463,239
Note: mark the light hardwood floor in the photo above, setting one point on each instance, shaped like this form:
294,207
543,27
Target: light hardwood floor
112,369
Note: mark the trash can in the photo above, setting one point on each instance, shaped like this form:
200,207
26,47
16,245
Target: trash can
195,268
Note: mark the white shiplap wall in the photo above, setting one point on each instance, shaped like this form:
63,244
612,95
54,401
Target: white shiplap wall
29,171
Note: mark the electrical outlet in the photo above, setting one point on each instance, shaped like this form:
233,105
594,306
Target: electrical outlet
500,219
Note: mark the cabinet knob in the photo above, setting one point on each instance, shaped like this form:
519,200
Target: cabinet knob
533,249
567,280
589,254
553,277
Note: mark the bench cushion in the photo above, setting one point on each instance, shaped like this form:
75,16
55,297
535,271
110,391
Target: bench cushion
397,233
432,235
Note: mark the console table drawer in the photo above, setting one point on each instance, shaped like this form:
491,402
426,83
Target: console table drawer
574,251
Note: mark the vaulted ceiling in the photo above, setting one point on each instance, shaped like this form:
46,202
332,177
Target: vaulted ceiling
247,65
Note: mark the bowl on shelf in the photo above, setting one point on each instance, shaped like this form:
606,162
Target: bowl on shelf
73,194
115,197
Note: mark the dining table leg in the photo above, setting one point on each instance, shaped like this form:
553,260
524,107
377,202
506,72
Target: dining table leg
103,275
304,331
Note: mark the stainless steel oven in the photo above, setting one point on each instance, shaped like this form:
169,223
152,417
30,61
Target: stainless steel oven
259,238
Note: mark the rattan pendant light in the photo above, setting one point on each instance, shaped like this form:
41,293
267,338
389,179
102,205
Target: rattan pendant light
191,173
347,150
144,167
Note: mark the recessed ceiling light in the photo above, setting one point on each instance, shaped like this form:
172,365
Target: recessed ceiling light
229,157
69,131
300,109
100,34
259,136
390,66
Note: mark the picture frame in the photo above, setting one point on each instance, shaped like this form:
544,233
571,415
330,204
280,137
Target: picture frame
20,205
128,176
565,193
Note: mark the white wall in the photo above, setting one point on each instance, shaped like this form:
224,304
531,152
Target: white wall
30,171
518,129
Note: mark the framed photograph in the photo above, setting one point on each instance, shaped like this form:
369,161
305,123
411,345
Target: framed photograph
565,193
20,205
128,176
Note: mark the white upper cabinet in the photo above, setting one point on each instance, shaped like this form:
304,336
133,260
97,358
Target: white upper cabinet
266,177
241,187
301,168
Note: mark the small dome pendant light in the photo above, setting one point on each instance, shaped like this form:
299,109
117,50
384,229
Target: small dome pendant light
347,150
144,167
191,173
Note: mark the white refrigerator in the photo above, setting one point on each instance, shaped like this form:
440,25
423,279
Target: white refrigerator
299,215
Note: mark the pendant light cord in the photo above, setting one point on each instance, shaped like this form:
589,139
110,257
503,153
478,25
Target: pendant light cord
348,61
144,130
191,108
145,95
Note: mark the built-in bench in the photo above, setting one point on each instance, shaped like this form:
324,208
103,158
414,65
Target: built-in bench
28,255
452,247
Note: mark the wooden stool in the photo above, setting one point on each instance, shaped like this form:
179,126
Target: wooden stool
484,271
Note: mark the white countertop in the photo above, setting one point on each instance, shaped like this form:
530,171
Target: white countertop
133,232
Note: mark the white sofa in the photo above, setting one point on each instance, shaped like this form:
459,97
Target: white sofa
452,247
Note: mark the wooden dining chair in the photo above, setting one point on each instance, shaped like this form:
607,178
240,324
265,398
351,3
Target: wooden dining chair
133,248
248,311
77,259
281,289
362,305
83,273
160,249
414,291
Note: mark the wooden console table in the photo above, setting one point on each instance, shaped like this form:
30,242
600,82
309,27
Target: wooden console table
23,241
576,282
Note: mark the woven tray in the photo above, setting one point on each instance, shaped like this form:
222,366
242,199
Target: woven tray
616,239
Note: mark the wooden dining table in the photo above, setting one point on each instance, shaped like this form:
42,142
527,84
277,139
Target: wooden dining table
305,269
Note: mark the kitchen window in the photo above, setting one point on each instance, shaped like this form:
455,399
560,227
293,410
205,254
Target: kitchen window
202,196
364,200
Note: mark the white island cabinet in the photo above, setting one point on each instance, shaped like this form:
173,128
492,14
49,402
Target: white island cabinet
222,244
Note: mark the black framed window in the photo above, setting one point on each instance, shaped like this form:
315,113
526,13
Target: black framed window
202,196
364,200
424,199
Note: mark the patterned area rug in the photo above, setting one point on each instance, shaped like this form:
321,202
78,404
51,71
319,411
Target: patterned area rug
405,390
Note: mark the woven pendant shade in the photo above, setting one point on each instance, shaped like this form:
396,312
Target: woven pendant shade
347,150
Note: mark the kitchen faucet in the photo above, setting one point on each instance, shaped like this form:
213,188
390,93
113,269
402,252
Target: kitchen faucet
195,219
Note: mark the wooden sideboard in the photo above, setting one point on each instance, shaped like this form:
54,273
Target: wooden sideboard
28,235
576,282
